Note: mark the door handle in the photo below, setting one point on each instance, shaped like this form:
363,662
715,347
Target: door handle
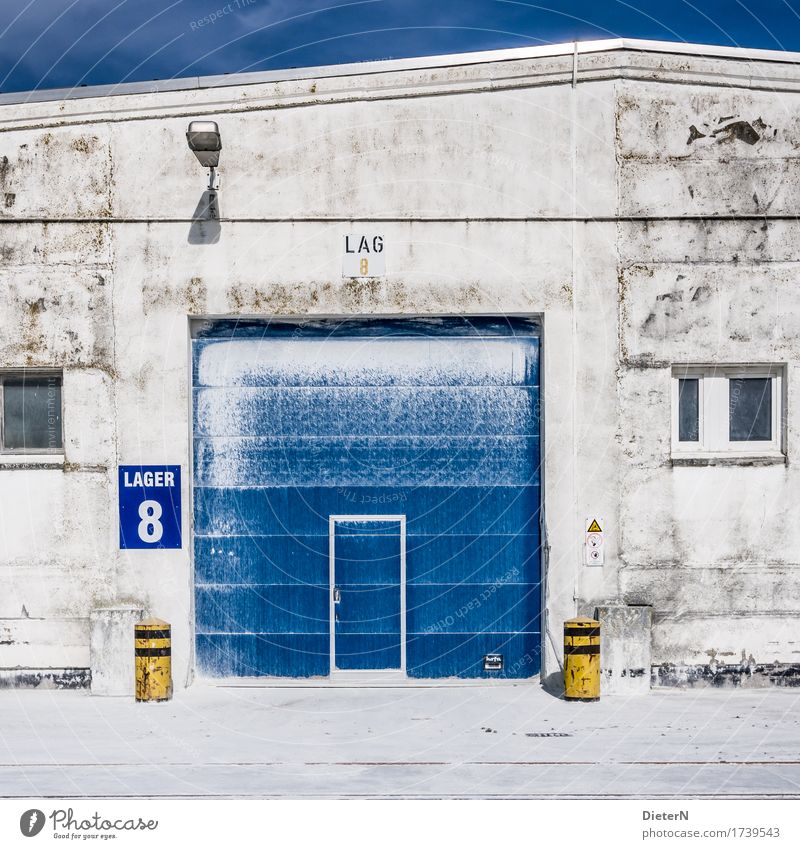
337,595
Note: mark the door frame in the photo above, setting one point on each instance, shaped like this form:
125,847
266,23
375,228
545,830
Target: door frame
361,517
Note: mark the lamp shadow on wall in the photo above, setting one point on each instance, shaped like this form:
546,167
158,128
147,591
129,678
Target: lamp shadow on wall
205,229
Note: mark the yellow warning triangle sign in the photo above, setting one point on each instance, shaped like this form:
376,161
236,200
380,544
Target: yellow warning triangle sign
594,528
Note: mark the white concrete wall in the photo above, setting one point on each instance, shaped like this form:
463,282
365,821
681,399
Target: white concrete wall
497,188
713,549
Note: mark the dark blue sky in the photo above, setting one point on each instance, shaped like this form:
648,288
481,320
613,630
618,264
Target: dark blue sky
53,43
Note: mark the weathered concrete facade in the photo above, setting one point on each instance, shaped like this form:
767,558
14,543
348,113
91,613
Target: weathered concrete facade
640,198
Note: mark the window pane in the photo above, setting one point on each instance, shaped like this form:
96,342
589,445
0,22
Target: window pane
689,410
750,405
32,413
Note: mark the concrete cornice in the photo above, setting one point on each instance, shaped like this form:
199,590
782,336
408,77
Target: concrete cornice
585,61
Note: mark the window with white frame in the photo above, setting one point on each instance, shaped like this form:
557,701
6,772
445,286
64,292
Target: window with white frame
30,412
727,410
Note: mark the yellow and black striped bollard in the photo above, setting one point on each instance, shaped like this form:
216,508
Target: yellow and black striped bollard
153,640
582,660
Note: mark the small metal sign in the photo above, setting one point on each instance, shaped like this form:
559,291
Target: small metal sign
492,662
150,507
363,256
594,541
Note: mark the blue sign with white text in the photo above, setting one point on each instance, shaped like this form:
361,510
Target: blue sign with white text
150,507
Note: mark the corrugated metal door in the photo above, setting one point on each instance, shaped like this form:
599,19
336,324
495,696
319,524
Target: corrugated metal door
435,420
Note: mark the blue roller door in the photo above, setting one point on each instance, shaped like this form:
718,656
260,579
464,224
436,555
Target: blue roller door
434,420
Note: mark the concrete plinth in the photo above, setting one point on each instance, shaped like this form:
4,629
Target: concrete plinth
111,649
624,648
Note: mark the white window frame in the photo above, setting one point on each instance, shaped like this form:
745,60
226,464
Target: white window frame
11,453
714,411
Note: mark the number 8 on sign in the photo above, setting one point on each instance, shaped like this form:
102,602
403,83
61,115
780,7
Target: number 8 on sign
150,507
150,529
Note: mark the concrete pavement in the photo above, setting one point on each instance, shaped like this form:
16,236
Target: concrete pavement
511,740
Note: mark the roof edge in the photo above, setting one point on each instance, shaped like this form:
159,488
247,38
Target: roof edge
383,66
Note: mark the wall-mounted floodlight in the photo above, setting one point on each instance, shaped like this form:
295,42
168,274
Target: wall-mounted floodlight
205,143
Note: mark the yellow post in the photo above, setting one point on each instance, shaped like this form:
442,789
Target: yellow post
581,660
153,661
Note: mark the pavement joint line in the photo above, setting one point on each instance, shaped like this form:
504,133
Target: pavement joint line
400,763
